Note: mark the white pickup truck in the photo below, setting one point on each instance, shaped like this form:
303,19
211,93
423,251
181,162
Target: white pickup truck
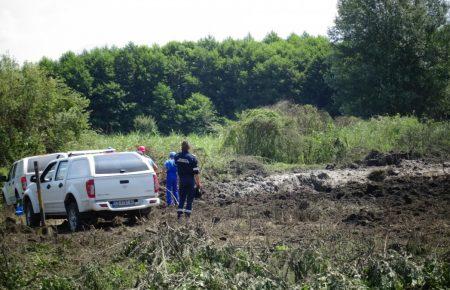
20,174
98,185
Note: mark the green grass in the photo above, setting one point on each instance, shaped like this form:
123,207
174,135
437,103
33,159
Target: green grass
332,142
303,135
207,148
300,137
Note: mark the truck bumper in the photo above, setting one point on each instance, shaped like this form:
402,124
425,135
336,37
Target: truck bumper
106,206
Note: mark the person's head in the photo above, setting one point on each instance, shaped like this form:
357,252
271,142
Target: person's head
141,149
185,146
172,155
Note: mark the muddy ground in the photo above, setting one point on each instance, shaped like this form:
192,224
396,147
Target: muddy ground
358,209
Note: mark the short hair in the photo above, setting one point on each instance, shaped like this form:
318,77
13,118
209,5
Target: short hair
185,146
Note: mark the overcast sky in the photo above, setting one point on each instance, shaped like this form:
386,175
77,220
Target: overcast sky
31,29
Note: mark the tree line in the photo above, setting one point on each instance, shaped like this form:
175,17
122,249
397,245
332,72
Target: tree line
182,81
381,57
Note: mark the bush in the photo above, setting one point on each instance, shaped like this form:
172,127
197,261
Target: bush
197,115
37,113
307,118
265,133
145,124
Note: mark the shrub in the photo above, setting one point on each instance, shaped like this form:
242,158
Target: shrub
307,118
196,115
145,124
265,133
37,113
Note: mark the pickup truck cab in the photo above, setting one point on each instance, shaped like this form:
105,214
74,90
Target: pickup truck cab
97,185
19,175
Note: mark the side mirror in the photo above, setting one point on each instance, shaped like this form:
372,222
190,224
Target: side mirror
3,178
33,178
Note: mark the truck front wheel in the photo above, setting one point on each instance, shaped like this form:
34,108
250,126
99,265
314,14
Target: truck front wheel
32,219
73,216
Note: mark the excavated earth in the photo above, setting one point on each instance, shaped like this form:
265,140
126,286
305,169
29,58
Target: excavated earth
400,204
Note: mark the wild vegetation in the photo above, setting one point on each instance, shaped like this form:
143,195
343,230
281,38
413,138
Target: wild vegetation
37,113
381,58
179,259
378,83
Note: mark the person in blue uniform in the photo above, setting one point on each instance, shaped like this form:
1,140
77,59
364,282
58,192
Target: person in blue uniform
188,173
171,180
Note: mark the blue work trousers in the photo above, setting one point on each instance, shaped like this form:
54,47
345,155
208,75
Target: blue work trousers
187,195
171,189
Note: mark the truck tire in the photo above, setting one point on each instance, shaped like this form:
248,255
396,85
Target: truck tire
142,213
32,219
73,216
145,212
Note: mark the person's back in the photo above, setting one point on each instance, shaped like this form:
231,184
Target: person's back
171,183
188,172
184,162
171,167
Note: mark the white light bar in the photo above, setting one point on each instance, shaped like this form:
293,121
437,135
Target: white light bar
87,152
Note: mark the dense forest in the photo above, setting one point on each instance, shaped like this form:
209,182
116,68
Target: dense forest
381,57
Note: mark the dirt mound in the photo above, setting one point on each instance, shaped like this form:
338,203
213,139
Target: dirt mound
376,158
247,166
363,218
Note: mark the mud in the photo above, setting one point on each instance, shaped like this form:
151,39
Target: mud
400,201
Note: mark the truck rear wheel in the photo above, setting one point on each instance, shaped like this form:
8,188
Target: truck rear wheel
73,216
32,219
142,213
145,212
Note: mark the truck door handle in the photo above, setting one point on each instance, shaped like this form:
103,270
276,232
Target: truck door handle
48,186
60,185
124,181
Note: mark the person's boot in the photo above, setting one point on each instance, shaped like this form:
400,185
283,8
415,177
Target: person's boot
188,219
179,217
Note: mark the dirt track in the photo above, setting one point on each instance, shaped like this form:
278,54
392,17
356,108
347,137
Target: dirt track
400,206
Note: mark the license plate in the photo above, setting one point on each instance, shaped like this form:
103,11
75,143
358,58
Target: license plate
122,203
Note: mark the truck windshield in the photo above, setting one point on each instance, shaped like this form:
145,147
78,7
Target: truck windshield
118,163
43,161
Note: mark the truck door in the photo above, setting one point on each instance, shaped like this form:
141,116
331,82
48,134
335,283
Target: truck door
56,189
46,180
9,186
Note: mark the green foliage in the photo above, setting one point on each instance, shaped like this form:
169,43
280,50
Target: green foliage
57,283
182,259
164,82
164,107
37,113
265,133
302,134
113,276
145,124
196,115
391,57
398,271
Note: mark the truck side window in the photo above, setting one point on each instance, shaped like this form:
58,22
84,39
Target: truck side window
62,170
78,169
48,172
14,171
10,173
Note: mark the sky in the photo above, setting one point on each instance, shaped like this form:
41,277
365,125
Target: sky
31,29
